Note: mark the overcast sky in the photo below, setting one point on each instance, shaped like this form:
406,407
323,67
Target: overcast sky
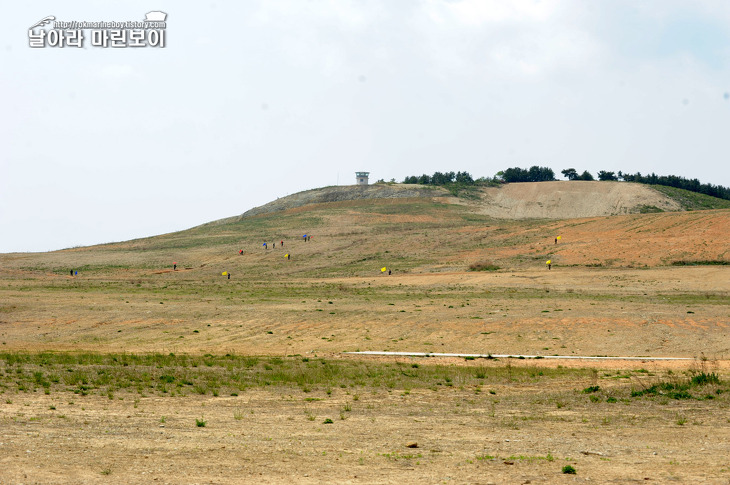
250,101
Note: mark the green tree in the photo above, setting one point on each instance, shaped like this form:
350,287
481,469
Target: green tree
586,175
603,175
570,173
464,178
533,174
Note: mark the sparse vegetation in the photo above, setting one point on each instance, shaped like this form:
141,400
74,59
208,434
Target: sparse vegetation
180,375
483,266
273,402
710,262
678,388
681,183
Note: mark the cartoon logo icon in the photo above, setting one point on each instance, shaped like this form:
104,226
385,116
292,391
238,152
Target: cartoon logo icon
43,21
155,16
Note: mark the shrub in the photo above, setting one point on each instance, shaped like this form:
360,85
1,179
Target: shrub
483,266
682,394
569,470
704,378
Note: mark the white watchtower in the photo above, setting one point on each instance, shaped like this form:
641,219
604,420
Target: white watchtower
362,178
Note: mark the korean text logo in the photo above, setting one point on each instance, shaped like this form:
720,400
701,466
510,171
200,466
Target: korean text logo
50,32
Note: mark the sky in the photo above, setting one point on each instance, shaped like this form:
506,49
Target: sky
253,100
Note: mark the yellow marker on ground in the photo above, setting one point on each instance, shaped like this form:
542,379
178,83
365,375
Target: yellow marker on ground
224,273
383,269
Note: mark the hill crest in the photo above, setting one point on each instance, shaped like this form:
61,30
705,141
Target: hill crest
525,200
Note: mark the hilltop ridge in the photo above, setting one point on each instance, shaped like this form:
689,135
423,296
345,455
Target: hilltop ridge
346,192
526,200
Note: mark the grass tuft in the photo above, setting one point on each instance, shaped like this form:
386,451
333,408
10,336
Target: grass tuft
483,266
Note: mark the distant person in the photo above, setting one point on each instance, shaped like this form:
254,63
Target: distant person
273,244
229,276
72,272
174,267
288,256
282,243
556,240
549,266
388,272
240,252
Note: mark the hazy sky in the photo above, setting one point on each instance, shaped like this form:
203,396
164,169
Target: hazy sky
252,100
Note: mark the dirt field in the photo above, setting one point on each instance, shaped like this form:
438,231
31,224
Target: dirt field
613,291
678,311
506,430
569,200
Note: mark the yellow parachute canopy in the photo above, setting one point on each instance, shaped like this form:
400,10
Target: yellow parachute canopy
559,237
383,269
224,273
549,261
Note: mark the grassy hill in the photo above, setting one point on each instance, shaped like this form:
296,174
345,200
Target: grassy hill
410,235
609,272
149,366
692,200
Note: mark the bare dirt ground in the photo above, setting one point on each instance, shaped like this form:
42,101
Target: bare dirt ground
524,432
514,433
668,311
568,200
612,291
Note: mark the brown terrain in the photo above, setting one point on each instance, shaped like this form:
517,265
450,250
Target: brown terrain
622,284
569,200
